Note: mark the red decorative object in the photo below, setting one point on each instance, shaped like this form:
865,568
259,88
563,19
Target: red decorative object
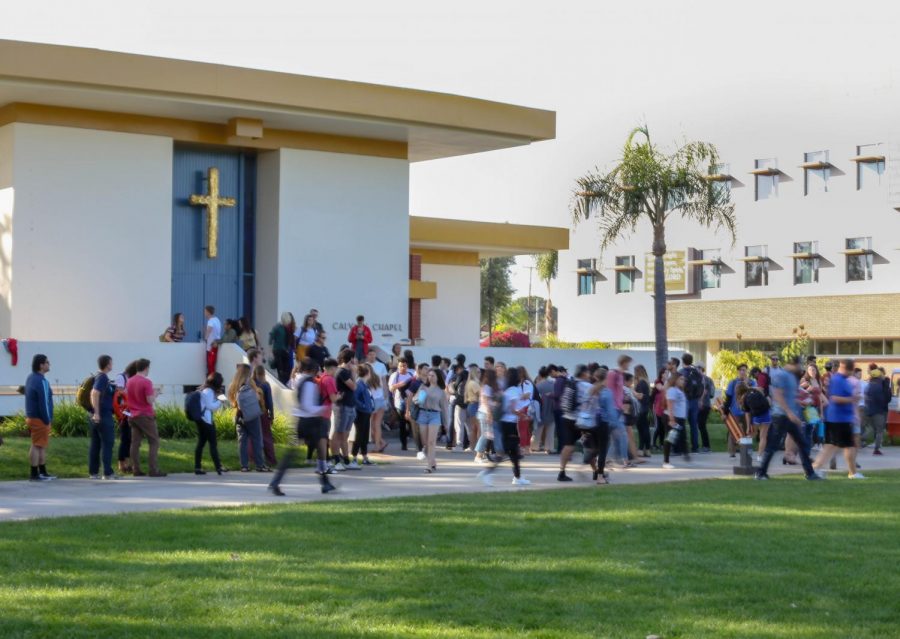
12,347
515,339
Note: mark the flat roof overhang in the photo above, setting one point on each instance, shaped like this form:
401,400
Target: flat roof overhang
487,239
431,125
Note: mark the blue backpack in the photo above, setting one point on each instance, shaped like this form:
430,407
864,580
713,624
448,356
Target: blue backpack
193,407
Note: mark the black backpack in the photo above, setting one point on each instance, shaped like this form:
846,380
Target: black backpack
756,403
193,407
459,388
693,383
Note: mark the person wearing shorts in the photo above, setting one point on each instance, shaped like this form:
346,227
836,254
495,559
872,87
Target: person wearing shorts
39,416
345,410
840,414
568,433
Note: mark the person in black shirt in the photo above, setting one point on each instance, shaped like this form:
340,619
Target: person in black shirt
103,426
345,410
318,352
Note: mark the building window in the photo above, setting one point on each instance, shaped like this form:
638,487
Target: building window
624,273
816,171
720,175
869,166
711,274
756,268
806,262
766,178
587,276
859,259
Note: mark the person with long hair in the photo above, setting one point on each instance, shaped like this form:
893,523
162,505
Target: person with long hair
206,429
247,337
365,406
396,356
306,337
488,397
432,401
377,390
676,414
268,416
509,429
312,428
522,410
245,398
410,359
596,440
811,384
641,393
175,332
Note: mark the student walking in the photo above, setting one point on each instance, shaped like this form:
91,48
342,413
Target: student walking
312,428
509,430
201,409
839,416
676,412
786,420
345,410
39,416
433,402
103,426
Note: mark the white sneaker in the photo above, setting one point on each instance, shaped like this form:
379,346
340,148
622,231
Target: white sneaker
485,478
339,467
354,466
420,455
668,466
821,473
856,476
520,481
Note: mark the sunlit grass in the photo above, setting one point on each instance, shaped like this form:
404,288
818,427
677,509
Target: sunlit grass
786,559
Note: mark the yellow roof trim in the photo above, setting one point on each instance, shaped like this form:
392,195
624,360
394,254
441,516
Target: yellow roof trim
435,124
485,238
447,258
419,290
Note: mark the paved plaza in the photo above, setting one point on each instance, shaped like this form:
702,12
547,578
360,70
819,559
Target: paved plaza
400,475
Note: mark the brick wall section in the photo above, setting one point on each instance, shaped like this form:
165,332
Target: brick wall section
415,306
860,316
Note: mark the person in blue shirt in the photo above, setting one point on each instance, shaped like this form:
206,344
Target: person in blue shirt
786,419
103,426
39,416
731,403
843,396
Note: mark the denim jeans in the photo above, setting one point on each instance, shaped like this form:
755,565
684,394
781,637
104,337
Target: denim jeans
618,443
250,429
481,445
782,426
103,437
693,417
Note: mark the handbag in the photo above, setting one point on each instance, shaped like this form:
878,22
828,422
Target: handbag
672,435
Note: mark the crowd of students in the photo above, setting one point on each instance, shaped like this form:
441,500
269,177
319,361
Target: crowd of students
498,413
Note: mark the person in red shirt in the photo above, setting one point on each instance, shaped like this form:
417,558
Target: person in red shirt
329,394
359,338
141,394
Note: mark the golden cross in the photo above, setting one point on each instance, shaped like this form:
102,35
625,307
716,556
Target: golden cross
212,202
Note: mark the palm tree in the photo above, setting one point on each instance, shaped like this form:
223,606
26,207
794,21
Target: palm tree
547,266
649,185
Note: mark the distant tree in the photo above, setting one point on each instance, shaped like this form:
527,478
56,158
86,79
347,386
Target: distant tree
648,185
515,315
547,266
496,289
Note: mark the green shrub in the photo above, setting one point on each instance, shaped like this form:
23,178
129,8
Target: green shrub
14,426
172,423
726,363
552,341
70,420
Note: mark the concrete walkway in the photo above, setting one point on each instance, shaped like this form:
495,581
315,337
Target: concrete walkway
403,476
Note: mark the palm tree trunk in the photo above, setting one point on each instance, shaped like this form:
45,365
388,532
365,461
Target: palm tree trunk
548,312
659,297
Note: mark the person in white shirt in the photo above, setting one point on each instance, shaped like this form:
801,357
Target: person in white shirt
206,429
509,430
377,384
213,335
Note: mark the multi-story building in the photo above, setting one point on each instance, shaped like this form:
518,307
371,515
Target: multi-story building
817,246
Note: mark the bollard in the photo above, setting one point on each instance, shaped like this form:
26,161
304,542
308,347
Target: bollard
746,467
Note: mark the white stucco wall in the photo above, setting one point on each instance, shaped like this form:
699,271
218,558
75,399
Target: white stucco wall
453,318
268,178
7,198
828,218
92,234
343,241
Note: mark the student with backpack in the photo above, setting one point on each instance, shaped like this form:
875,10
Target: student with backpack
755,404
575,393
693,391
199,407
103,426
365,406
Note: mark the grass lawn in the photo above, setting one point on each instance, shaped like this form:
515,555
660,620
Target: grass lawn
722,558
68,456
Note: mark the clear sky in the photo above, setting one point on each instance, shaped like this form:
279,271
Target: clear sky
602,66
